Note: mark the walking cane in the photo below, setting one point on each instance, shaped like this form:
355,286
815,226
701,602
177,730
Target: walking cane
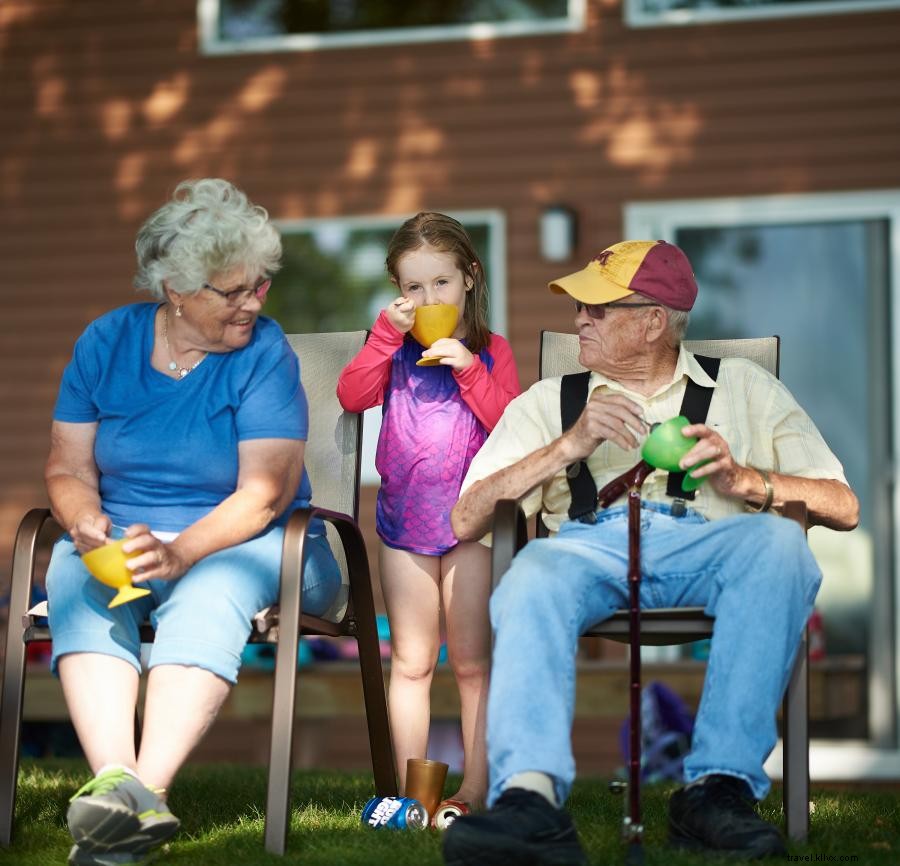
632,480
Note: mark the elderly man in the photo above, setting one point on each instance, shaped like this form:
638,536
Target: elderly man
753,572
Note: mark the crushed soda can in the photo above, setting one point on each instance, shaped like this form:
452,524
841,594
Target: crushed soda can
447,812
396,813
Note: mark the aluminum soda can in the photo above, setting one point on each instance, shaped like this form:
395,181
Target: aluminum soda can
446,813
396,813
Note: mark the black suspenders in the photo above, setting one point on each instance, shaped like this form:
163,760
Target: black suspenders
572,399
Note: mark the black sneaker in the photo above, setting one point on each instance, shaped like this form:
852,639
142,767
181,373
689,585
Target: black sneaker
522,828
719,815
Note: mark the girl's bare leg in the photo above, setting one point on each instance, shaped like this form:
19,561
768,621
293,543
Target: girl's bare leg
409,583
465,588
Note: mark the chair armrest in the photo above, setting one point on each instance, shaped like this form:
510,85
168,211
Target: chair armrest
795,509
352,543
510,534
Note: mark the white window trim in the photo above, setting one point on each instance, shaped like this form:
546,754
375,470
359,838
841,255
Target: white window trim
661,220
211,44
496,265
636,16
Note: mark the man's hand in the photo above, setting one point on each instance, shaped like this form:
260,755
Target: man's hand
606,417
723,473
401,313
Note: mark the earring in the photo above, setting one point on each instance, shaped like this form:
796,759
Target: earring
178,311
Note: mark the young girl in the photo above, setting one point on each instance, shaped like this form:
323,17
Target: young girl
435,419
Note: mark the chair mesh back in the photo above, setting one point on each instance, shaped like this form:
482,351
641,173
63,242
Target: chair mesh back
559,352
332,450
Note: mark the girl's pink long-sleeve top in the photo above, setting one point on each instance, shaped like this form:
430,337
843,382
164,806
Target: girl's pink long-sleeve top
435,420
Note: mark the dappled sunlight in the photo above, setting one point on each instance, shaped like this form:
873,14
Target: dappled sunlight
483,47
12,177
259,92
262,89
328,203
214,136
586,87
416,167
532,68
167,99
640,133
115,118
468,87
50,88
362,161
652,143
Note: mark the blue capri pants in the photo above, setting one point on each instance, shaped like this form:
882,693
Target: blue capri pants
201,619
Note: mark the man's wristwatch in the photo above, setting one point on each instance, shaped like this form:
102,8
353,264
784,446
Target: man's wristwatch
770,492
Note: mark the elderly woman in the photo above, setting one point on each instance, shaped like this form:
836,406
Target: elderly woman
180,423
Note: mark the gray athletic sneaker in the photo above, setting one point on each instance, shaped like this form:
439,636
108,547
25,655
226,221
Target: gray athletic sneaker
115,812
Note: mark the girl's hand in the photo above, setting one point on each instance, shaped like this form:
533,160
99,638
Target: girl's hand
90,531
451,352
401,313
158,560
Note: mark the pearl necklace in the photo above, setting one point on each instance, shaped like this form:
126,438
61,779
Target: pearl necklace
173,366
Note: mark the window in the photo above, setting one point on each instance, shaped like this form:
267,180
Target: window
228,26
652,13
333,279
817,270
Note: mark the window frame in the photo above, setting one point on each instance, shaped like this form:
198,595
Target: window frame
636,16
212,45
662,219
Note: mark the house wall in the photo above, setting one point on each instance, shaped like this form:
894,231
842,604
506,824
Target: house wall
105,106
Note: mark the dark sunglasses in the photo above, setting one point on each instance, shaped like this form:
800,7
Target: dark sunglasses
598,311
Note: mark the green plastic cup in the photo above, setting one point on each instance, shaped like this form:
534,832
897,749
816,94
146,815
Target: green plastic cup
665,446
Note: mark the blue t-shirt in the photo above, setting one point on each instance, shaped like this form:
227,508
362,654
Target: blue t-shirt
167,449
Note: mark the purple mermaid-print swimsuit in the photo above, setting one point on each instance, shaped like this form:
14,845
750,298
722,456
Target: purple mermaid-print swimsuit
428,439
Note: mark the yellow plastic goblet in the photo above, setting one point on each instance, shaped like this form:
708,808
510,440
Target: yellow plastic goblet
665,446
434,321
107,564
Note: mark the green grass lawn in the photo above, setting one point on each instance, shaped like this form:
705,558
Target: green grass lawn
221,808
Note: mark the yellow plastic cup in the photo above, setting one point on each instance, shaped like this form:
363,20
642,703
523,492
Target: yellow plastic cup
107,564
433,321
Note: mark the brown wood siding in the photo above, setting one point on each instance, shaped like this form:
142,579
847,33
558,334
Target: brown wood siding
105,106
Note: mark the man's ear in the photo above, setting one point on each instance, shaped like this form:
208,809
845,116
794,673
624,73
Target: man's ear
657,324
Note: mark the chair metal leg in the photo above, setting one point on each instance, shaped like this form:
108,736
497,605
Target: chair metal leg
278,796
380,743
796,747
14,666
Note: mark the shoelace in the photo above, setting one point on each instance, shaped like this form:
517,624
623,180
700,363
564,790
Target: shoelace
109,781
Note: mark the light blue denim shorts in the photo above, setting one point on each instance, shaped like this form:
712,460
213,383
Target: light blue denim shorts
201,620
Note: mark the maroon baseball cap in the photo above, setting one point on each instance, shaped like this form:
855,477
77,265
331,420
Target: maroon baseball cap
654,269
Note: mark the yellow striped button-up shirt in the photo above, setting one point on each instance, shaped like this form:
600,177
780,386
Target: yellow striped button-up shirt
752,410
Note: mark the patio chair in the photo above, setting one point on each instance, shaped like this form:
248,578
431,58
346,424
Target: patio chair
666,626
332,458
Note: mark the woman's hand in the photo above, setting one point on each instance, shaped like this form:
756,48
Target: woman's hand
158,560
401,313
451,352
90,531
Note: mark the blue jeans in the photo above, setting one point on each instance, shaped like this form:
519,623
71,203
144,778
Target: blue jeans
753,572
202,619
